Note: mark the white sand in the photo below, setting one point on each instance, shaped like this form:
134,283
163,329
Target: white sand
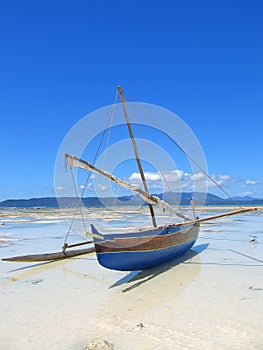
211,300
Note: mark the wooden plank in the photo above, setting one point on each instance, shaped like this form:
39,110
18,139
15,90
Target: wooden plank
50,256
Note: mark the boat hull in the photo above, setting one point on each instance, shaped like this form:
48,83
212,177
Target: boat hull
144,249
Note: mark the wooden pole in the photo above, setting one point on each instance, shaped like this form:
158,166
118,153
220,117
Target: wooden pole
136,153
234,212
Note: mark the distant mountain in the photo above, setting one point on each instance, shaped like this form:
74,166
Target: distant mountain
170,197
29,203
186,197
245,198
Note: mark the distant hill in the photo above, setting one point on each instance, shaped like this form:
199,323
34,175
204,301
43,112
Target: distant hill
170,197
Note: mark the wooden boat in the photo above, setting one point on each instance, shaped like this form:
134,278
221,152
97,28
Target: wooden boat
141,248
144,249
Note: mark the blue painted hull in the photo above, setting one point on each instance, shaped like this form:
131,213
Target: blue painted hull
130,261
130,252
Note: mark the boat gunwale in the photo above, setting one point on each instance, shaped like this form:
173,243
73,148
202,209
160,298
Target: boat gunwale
139,233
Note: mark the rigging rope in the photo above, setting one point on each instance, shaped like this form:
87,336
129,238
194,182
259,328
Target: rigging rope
109,122
153,156
184,152
74,216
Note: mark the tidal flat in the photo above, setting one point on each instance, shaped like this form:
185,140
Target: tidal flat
211,298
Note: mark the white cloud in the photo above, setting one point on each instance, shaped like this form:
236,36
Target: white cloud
199,176
178,179
150,176
59,188
252,182
222,180
246,194
102,187
156,179
135,177
88,187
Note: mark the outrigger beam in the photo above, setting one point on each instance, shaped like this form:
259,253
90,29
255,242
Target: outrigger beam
209,218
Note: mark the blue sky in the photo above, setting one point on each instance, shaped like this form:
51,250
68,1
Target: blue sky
61,60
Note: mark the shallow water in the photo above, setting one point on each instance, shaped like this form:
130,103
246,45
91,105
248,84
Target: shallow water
210,299
53,225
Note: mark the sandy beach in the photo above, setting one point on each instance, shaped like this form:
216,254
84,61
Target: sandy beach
209,299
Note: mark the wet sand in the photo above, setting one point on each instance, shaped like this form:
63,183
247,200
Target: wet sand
209,299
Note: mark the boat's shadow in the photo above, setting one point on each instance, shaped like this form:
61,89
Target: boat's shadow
142,276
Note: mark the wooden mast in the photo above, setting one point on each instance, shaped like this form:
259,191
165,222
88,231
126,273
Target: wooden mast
136,153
